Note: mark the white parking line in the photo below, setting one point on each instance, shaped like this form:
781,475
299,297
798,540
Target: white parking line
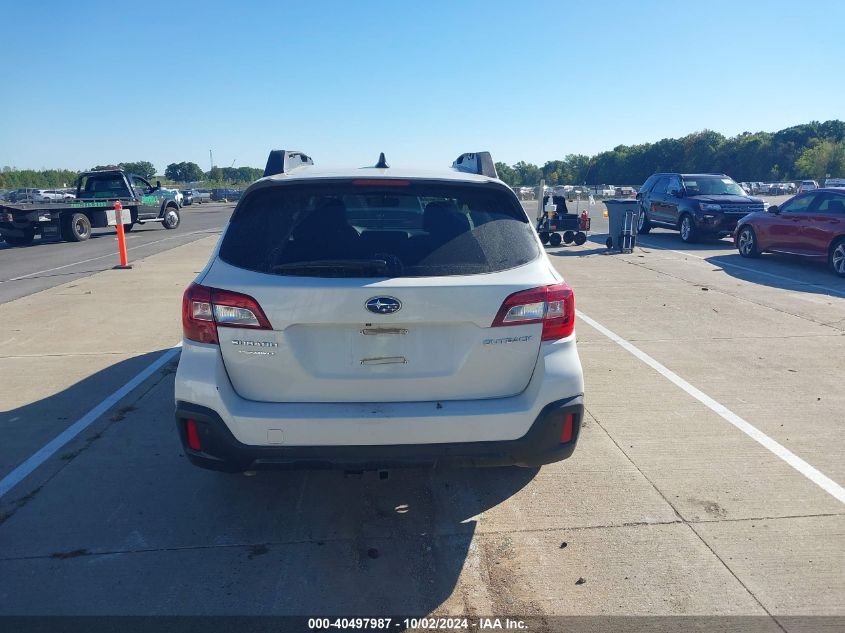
817,477
50,448
94,259
792,280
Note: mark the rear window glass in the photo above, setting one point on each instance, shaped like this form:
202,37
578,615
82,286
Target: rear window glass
373,230
105,186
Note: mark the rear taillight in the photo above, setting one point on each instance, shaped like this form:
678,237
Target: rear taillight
553,306
205,309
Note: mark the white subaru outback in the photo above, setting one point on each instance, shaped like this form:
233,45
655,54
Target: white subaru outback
373,318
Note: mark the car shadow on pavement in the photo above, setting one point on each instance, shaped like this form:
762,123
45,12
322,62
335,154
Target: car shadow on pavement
575,252
120,510
672,241
803,274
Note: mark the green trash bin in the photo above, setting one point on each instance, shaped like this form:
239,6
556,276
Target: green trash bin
622,224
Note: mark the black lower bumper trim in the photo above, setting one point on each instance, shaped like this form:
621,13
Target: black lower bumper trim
221,451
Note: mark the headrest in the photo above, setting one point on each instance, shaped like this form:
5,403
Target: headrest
443,218
330,216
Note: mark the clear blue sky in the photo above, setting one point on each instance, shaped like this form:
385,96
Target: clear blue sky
87,83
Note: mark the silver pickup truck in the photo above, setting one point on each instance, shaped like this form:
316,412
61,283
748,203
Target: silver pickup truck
195,195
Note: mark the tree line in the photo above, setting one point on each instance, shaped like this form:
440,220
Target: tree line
183,172
813,151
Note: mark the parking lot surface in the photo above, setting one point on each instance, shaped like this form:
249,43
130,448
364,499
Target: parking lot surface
706,482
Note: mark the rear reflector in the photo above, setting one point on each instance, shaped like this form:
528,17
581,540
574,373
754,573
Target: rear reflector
553,306
193,435
566,429
205,309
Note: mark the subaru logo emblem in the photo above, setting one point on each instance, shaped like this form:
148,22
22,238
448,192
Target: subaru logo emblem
384,305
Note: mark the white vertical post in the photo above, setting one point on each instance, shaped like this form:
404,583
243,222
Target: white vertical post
541,212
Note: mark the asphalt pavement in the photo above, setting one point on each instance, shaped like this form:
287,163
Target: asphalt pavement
707,481
24,270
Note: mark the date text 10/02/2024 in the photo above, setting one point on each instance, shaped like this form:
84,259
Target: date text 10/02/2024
414,624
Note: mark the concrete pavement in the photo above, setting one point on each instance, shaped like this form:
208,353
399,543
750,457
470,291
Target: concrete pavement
665,508
65,349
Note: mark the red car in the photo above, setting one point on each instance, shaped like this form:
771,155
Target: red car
811,224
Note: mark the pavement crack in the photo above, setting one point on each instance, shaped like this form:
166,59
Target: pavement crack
689,524
768,518
258,547
732,573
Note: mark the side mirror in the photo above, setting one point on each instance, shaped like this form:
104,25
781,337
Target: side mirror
773,209
675,192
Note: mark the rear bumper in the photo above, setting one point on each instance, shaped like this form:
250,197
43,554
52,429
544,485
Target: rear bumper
490,431
540,445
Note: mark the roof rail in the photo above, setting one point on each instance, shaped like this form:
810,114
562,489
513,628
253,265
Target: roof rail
281,161
480,163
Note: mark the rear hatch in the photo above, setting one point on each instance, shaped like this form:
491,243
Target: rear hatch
379,291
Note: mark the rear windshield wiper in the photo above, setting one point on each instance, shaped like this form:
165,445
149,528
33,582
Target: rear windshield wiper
332,264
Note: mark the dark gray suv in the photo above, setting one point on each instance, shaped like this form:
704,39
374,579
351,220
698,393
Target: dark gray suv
697,205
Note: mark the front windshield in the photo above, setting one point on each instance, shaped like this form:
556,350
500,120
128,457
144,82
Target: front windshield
712,186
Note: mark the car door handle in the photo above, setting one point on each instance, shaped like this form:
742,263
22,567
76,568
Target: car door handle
834,221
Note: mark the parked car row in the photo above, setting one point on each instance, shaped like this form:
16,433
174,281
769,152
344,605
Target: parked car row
36,195
573,191
787,188
225,194
810,224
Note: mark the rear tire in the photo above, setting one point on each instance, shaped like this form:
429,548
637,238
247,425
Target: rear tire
836,259
686,226
171,218
76,227
643,225
580,238
25,240
555,239
568,237
544,237
746,243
